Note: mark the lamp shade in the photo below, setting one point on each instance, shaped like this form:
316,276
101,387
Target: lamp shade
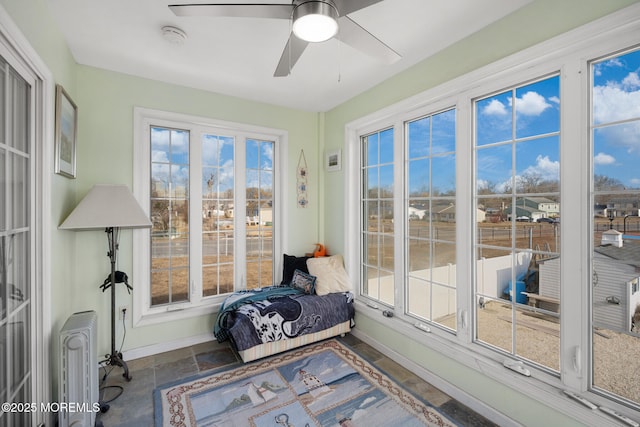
107,205
315,21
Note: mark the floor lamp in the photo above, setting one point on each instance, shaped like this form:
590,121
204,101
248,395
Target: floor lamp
110,207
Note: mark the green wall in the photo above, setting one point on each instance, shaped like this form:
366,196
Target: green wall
532,24
106,101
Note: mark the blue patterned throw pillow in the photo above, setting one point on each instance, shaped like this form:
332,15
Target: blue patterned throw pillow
303,281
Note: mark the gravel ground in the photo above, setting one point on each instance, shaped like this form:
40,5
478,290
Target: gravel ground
616,355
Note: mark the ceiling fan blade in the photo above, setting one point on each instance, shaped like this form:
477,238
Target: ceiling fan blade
355,36
292,52
349,6
247,10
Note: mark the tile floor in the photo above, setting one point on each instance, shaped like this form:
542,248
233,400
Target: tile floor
134,407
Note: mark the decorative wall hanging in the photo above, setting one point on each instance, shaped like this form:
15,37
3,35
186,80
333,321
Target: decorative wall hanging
301,181
333,160
65,134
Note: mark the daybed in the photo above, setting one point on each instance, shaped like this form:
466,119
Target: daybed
303,309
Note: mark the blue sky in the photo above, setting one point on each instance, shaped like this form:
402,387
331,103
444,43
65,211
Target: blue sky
616,98
528,116
170,156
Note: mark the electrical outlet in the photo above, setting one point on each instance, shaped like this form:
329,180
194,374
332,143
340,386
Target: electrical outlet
122,310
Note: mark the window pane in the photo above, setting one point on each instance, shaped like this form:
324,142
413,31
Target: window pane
443,139
419,177
217,214
517,232
169,215
494,119
419,137
616,226
430,278
259,213
538,165
377,260
494,169
372,184
538,108
443,175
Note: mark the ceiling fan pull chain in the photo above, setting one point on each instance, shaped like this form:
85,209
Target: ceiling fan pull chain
339,60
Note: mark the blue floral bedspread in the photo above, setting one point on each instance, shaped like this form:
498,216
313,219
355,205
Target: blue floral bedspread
280,317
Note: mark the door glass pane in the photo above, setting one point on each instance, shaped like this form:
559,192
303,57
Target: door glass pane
20,115
517,221
15,249
616,226
169,215
19,170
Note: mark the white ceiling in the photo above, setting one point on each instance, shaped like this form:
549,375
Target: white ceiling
237,56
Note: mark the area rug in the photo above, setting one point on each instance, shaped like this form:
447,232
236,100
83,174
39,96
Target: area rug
323,384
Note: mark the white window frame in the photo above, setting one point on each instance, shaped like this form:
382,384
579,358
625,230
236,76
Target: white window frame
144,118
570,55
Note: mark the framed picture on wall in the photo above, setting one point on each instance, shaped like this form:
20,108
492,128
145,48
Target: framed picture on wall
334,160
65,134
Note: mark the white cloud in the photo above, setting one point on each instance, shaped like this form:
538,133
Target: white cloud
531,104
632,81
612,63
612,102
159,156
495,108
554,99
545,168
603,159
616,102
267,152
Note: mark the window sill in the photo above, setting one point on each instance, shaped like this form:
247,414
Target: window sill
172,313
540,386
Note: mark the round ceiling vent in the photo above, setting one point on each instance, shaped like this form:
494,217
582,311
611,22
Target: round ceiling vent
173,34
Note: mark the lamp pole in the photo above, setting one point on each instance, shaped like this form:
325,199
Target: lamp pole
115,358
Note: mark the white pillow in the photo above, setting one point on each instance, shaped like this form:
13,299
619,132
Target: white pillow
330,273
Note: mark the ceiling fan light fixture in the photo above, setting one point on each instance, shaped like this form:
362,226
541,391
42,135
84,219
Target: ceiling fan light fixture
315,21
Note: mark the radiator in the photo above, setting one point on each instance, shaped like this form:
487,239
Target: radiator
78,382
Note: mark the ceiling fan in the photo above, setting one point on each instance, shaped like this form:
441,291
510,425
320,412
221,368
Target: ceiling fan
312,21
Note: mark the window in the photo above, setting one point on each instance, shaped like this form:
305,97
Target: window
615,133
510,220
210,190
517,146
430,275
169,215
420,183
377,216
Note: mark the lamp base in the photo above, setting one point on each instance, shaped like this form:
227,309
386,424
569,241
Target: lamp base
115,359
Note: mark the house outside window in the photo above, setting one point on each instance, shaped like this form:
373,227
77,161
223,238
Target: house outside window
212,191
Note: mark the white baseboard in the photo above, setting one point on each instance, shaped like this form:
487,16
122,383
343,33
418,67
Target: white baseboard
444,386
150,350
